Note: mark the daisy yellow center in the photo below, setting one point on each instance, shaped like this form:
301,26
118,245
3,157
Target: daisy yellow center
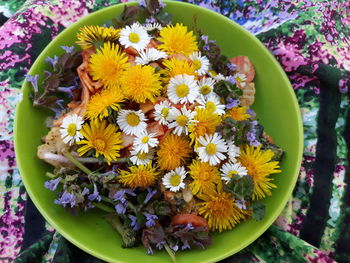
165,112
205,90
231,173
132,119
210,106
197,63
134,38
72,129
100,145
175,180
211,148
182,90
182,120
145,139
142,156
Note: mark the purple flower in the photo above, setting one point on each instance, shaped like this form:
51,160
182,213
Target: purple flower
174,247
251,135
185,246
121,208
255,143
150,194
161,4
66,198
135,226
95,196
189,227
160,245
149,251
111,172
52,184
150,20
33,80
52,61
231,66
85,191
253,123
241,204
251,113
59,103
150,219
232,80
67,90
231,103
205,39
68,49
142,3
206,47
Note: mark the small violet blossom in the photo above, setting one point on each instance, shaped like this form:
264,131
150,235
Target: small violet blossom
231,103
150,194
52,184
135,226
52,61
66,198
33,80
231,66
68,49
95,196
241,204
150,219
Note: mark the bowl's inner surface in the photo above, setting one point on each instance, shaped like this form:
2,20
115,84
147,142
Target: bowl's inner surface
276,108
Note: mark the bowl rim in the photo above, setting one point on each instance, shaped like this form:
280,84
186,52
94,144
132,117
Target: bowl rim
291,92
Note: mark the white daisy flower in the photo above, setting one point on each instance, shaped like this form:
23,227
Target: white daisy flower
174,179
180,120
70,128
132,122
212,103
144,141
139,158
240,78
233,151
200,62
182,89
150,54
134,36
219,77
228,170
152,26
212,148
161,112
206,86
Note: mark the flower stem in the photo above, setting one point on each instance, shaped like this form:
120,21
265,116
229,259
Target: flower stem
77,163
170,252
132,207
107,200
51,175
104,207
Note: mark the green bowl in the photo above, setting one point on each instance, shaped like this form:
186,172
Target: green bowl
276,107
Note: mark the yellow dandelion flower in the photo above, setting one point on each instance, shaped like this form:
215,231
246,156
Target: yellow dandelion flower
102,138
176,39
108,64
259,166
173,152
205,122
221,212
238,113
140,83
175,67
100,102
90,36
205,178
139,176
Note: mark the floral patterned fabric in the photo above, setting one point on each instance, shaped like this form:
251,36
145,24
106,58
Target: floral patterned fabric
310,39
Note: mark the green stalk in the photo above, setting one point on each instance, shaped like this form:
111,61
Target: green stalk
51,175
104,207
77,163
132,207
170,252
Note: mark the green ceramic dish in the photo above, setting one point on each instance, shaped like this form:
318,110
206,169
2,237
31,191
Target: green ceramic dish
276,106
